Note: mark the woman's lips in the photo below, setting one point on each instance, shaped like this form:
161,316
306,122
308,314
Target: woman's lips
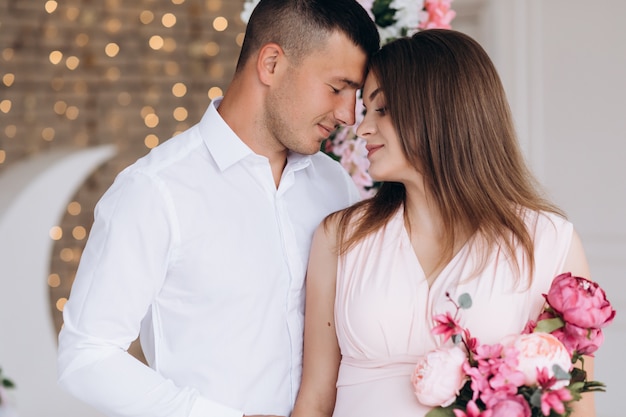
372,148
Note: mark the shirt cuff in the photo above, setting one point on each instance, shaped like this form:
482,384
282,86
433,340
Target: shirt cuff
203,407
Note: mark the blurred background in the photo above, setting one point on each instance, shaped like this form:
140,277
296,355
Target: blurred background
87,87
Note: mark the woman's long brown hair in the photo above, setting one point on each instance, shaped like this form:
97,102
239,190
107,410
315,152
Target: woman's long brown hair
450,111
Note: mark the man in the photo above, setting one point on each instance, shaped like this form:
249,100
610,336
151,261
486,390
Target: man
202,245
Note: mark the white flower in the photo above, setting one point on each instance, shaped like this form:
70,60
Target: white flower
408,14
248,6
439,377
537,351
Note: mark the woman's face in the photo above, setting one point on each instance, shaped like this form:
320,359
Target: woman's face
385,153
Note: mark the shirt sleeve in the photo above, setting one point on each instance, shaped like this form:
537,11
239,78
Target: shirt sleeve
121,271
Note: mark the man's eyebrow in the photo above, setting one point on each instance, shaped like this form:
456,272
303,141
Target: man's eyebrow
350,83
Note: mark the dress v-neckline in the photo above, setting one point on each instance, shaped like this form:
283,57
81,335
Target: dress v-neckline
407,238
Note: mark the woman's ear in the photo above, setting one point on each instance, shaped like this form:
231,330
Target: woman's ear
268,59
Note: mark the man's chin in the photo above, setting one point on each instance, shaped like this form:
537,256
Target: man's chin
310,150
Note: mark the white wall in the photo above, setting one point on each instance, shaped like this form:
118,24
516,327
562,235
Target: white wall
563,63
584,69
33,197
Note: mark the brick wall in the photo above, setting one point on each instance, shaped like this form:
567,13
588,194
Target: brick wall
80,73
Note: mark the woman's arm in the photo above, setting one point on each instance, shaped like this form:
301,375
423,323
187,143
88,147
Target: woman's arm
576,263
316,397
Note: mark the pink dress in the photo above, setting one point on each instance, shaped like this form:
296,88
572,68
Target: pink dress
384,310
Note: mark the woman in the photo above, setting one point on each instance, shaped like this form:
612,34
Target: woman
458,212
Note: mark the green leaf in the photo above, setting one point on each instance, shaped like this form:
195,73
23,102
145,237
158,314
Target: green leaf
465,301
384,15
7,383
594,386
560,373
440,412
535,398
549,325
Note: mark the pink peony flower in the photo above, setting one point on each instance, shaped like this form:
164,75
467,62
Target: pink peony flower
580,302
538,351
439,376
580,341
513,406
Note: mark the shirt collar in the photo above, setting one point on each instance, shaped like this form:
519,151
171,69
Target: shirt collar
224,145
227,148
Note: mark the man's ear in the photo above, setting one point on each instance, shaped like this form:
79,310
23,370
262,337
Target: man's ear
269,57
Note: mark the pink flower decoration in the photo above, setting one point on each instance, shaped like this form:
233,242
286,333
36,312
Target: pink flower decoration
437,15
580,302
470,342
507,379
447,326
489,358
545,379
512,406
554,400
472,410
479,380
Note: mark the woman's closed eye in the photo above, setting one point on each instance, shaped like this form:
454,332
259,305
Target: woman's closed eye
380,110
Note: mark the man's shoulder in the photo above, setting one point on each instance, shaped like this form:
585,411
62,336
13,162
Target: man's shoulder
330,175
324,161
173,151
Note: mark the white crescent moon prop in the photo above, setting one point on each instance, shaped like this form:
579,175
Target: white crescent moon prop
33,198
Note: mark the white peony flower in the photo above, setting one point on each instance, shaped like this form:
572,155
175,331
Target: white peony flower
439,376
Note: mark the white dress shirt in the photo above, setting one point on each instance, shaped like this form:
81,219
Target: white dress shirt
195,248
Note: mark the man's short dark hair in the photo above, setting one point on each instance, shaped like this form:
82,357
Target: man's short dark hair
300,26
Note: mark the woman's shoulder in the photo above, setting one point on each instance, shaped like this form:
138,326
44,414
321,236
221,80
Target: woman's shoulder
541,221
348,216
551,233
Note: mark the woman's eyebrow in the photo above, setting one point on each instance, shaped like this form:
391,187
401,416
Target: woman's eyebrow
374,93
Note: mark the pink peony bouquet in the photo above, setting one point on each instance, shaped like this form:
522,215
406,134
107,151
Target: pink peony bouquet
530,374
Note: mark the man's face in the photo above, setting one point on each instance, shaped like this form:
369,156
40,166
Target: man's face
315,96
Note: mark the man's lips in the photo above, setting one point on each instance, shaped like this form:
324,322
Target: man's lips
372,148
326,131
